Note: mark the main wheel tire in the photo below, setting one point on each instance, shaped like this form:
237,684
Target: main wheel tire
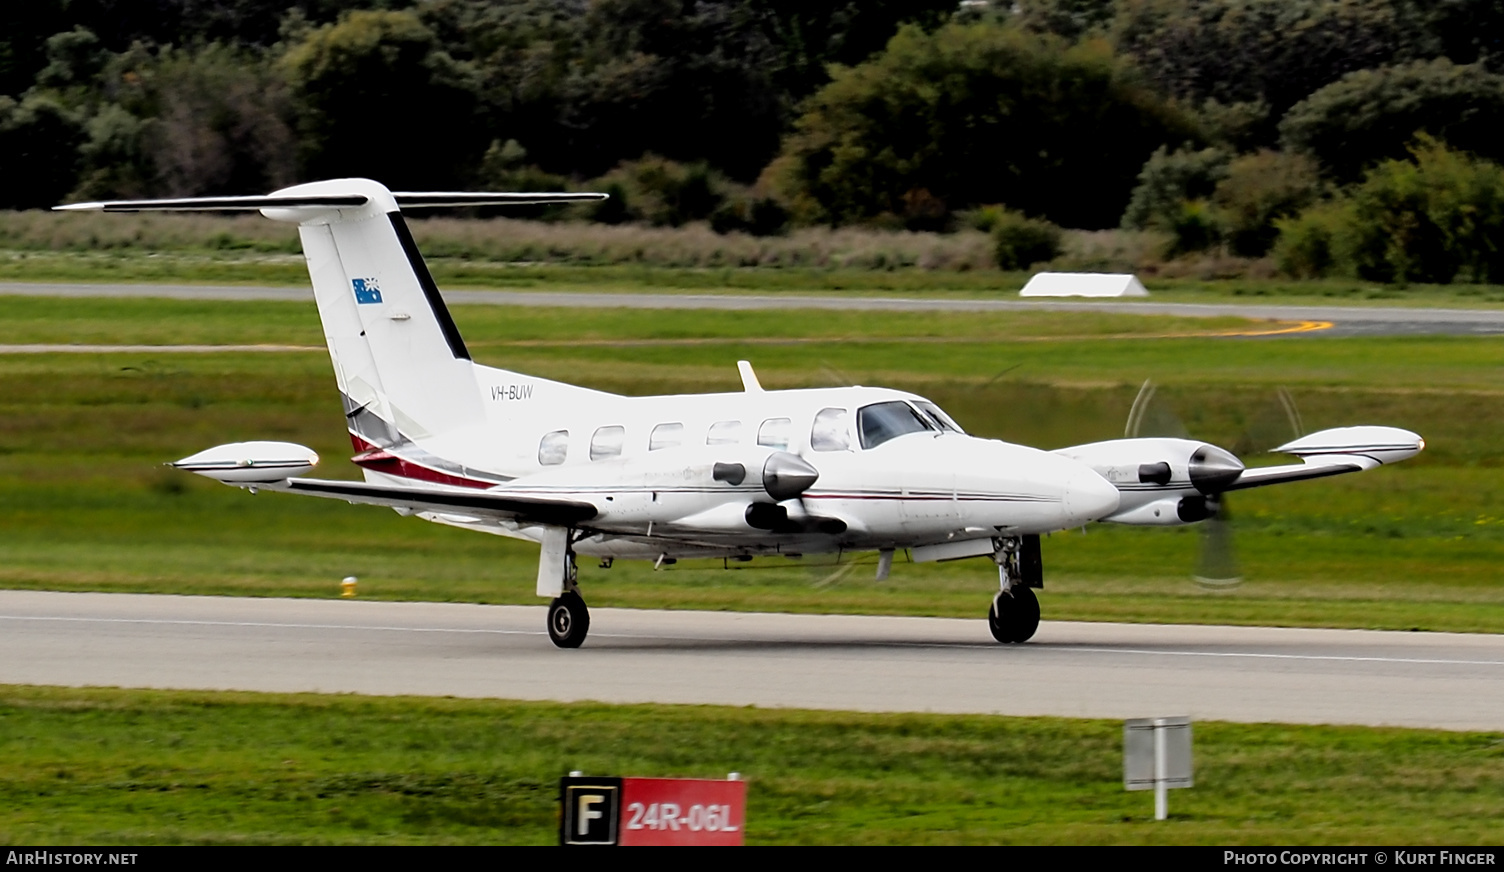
1000,618
1026,618
1014,616
568,621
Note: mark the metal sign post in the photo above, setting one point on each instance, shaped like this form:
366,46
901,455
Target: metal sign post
1157,756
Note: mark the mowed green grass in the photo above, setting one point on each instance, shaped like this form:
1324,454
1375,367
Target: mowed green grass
85,503
157,767
456,274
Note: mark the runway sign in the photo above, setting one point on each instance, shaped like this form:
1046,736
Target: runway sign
1157,757
651,811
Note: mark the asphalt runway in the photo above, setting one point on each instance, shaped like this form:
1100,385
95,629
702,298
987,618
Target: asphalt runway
1449,681
1344,320
1444,680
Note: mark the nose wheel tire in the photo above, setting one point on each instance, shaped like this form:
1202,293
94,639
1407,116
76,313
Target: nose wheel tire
568,620
1014,615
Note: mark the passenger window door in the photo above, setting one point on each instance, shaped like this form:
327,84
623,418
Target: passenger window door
607,442
553,448
774,433
666,436
831,431
724,433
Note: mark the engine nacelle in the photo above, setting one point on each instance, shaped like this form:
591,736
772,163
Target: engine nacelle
251,462
699,487
1169,511
1159,464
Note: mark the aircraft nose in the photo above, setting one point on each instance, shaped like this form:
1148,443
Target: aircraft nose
1089,497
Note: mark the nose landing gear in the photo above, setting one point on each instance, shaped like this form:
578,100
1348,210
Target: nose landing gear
1014,616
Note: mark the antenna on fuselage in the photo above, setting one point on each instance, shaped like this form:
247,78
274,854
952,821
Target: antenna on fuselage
750,384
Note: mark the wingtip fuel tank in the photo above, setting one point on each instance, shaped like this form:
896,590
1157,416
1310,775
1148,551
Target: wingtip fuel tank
250,462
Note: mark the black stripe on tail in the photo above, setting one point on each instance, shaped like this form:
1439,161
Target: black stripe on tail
430,289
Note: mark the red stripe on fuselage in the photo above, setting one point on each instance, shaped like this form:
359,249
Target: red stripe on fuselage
380,460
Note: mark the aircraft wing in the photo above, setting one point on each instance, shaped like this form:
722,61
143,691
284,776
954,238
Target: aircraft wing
1334,452
1266,475
484,504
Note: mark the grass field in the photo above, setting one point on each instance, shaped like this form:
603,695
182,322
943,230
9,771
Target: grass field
154,767
458,274
497,252
86,504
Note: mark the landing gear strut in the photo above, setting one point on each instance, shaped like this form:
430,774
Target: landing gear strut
568,619
1014,615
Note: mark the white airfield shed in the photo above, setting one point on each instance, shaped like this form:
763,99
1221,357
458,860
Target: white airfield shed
1048,284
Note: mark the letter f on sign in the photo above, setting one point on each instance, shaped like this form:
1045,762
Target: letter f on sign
586,813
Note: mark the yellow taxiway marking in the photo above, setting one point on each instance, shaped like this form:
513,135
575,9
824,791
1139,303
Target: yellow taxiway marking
1284,327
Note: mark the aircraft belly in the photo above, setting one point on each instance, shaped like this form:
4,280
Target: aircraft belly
650,548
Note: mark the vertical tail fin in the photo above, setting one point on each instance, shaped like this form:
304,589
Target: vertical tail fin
399,360
397,354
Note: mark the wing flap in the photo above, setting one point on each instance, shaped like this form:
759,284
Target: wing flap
483,504
1266,475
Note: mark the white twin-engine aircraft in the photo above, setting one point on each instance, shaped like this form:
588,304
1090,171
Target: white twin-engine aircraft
729,475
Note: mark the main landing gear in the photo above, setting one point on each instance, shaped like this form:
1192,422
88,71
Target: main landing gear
568,618
1014,615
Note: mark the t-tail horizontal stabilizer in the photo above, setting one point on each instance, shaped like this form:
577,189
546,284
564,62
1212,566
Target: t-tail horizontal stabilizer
405,200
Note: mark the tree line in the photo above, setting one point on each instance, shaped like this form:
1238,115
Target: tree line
1223,123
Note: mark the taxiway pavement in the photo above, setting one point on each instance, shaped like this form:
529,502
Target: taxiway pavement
1345,320
1250,674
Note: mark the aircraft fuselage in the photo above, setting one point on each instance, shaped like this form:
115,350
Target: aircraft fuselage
890,470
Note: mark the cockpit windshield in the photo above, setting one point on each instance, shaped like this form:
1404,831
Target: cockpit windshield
880,422
938,416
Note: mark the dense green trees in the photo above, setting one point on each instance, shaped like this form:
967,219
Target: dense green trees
1214,121
38,142
1436,217
1372,115
975,114
374,91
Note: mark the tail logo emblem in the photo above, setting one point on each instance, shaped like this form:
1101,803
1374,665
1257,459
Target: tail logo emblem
366,290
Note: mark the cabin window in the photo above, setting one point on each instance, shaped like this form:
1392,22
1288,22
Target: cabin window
666,436
553,448
607,442
880,422
831,431
724,433
938,417
774,433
